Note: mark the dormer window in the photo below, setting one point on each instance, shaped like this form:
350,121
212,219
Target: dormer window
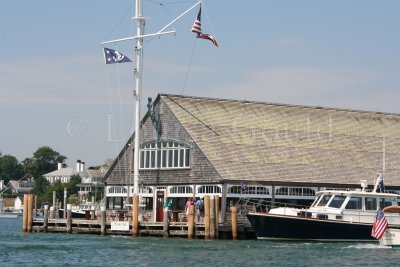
164,155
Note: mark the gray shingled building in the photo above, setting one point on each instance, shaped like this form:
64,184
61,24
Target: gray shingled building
192,146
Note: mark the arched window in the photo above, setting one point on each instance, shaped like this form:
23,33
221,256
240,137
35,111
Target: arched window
209,189
251,190
294,191
181,190
117,190
164,155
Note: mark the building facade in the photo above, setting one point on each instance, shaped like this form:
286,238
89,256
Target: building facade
91,183
64,174
270,153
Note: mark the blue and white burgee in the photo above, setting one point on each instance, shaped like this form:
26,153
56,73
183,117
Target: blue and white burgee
113,56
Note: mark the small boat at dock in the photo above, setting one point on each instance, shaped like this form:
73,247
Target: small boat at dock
335,215
8,215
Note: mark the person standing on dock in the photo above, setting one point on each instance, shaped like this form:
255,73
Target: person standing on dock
169,205
199,208
187,205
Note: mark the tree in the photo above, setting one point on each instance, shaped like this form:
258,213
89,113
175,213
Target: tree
71,186
10,168
40,186
44,160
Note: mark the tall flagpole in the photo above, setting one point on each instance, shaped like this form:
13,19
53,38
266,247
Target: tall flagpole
138,90
138,71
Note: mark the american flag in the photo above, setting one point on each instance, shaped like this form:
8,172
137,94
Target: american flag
381,187
380,225
197,29
243,186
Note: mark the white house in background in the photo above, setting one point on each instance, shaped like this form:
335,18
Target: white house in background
92,181
64,174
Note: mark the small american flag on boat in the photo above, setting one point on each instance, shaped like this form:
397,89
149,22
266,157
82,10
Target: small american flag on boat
380,225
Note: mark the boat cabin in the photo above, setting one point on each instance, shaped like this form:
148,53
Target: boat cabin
354,200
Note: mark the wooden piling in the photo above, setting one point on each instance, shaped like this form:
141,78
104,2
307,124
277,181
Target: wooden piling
65,203
51,213
166,224
135,216
93,212
234,222
25,218
69,218
30,212
45,217
212,217
103,220
207,217
216,208
35,207
190,220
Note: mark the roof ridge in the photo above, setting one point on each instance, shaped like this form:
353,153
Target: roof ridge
279,104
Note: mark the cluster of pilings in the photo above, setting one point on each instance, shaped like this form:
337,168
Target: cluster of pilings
192,228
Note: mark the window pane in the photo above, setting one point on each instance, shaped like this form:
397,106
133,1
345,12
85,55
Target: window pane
354,203
384,202
181,157
164,158
170,157
141,159
370,203
146,164
158,158
337,202
176,157
187,157
153,159
324,200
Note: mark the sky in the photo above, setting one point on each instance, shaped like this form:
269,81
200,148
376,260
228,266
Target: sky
56,91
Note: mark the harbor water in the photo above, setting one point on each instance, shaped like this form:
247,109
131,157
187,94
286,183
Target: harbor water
59,249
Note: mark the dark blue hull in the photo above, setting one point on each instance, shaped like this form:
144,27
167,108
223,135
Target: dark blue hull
269,226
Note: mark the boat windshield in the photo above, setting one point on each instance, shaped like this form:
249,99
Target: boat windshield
323,200
316,201
337,201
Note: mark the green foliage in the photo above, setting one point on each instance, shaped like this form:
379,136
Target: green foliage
10,168
72,188
44,160
40,185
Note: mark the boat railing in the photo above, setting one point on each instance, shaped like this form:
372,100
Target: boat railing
261,205
355,216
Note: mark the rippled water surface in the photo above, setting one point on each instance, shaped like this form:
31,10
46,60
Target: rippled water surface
50,249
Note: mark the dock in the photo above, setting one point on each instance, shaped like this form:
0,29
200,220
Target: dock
175,229
208,225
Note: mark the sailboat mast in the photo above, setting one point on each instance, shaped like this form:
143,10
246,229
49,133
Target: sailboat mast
140,21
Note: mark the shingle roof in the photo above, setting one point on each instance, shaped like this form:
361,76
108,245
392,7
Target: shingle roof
62,172
287,143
